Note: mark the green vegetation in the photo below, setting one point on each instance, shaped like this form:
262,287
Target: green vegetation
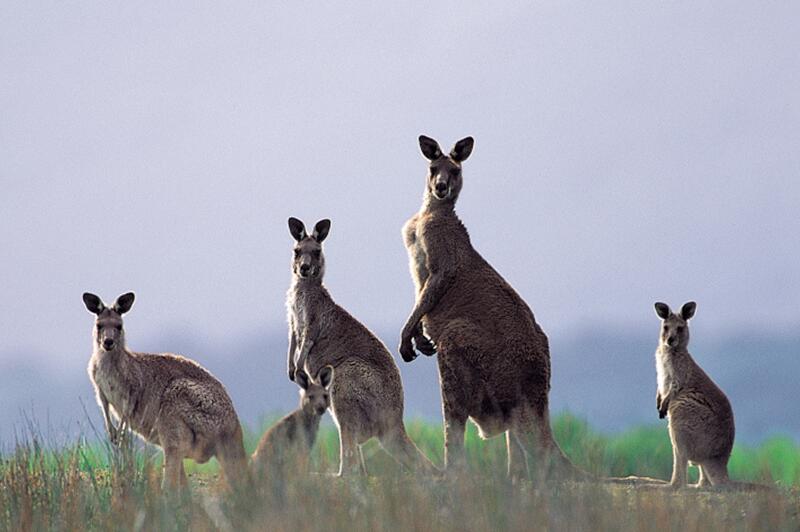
91,485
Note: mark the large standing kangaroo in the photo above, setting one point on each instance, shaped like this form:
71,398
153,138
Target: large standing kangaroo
367,394
494,359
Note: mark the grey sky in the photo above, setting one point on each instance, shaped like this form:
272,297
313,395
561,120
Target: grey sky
624,153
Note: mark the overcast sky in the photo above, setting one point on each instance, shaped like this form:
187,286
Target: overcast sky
624,153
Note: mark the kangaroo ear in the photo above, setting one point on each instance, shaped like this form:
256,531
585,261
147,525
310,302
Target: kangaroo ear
93,303
325,377
124,303
462,149
301,378
662,310
430,148
321,230
297,229
687,310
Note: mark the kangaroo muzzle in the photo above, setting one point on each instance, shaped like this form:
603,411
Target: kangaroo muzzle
304,267
441,189
108,342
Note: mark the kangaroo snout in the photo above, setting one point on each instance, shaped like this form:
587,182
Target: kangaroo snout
108,344
672,340
441,189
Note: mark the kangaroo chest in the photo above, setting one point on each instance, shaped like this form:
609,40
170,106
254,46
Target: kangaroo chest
417,256
110,379
300,310
665,372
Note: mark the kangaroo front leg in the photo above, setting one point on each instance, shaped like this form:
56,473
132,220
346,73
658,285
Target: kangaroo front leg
662,403
123,430
423,343
110,428
305,348
432,292
292,353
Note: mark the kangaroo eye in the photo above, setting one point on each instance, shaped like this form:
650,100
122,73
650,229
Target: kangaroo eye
316,253
680,328
119,327
296,253
99,326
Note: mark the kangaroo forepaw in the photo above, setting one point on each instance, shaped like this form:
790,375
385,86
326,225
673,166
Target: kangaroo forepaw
425,345
407,351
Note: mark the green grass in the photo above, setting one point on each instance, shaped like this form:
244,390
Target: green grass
91,485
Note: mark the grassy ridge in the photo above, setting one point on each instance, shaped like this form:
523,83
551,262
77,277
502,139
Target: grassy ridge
642,451
91,485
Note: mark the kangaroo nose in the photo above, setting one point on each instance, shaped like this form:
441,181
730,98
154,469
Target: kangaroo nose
441,186
304,267
671,340
108,343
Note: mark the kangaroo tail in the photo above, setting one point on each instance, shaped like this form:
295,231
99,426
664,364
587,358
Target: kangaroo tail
400,446
633,480
736,485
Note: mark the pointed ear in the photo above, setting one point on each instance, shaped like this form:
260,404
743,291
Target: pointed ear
687,310
662,310
93,303
462,149
123,303
321,230
297,229
301,378
325,377
430,148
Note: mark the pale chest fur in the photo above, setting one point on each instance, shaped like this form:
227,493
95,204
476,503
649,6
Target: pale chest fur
665,372
297,308
108,379
416,253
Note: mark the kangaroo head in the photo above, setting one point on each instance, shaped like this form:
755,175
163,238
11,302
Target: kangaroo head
108,332
315,396
675,327
308,261
444,177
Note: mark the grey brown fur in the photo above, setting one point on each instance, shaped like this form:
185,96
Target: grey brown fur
168,400
367,394
701,424
285,447
494,359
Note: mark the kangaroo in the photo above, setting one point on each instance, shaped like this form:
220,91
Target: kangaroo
367,395
168,400
288,443
700,417
494,359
